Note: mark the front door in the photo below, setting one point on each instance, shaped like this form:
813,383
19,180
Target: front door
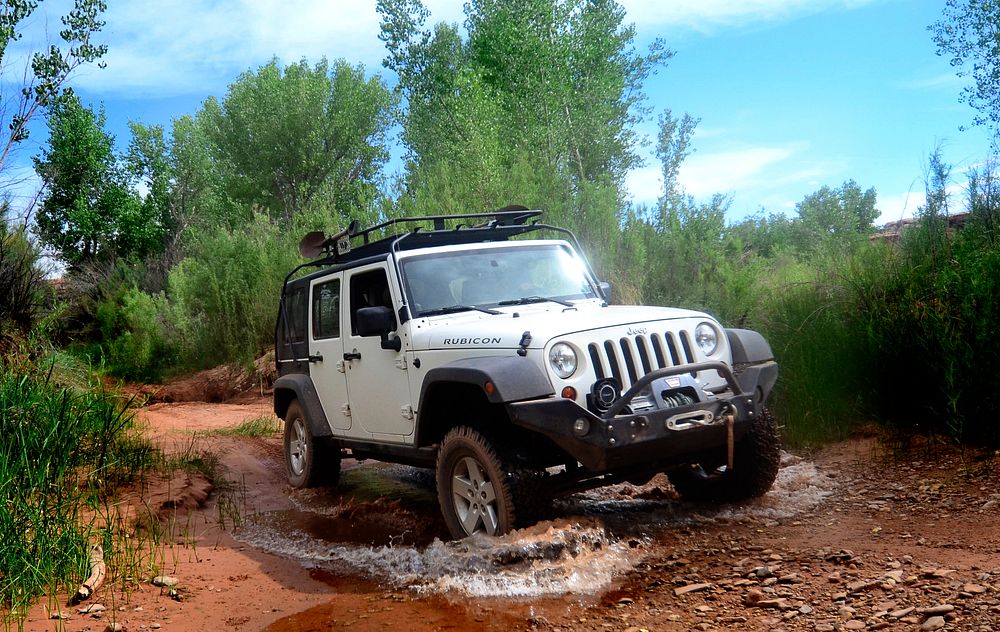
326,345
376,377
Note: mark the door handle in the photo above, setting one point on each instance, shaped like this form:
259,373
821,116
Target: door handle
316,358
354,355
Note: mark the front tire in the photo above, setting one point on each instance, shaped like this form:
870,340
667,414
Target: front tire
474,490
307,461
756,458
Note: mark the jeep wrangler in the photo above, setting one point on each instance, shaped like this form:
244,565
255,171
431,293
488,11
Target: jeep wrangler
473,345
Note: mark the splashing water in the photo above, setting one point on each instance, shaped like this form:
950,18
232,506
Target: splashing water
572,555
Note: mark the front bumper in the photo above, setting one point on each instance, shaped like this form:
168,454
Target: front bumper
620,440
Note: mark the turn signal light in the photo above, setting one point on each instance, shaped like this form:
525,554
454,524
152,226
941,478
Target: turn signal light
569,392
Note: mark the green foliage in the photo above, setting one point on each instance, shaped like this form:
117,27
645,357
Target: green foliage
969,33
62,452
89,212
225,293
137,335
284,138
22,281
835,218
49,69
536,105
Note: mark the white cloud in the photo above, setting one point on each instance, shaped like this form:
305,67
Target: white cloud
703,174
705,15
944,80
163,48
645,184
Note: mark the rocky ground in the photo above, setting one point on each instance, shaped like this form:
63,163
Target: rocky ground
901,537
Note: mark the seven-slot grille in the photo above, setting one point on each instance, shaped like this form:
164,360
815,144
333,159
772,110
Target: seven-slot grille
630,357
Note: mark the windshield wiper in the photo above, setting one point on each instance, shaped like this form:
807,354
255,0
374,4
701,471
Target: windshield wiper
451,309
525,300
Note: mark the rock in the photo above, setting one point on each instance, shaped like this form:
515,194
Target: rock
860,586
944,608
59,615
855,624
934,623
791,578
779,603
846,612
902,612
896,575
690,588
762,572
753,597
114,627
155,626
824,627
164,581
94,608
974,589
625,601
806,609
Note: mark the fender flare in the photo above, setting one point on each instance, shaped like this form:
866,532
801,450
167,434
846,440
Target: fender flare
748,347
514,379
300,386
753,358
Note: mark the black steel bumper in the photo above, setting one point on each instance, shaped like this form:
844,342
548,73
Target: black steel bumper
617,440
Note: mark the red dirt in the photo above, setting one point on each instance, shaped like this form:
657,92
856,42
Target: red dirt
928,516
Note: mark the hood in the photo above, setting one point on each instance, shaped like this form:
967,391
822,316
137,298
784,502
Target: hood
544,321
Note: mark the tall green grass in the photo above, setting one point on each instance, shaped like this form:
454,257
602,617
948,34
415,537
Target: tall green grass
62,453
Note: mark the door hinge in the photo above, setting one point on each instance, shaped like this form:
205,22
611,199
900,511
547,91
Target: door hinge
401,363
407,412
341,367
346,410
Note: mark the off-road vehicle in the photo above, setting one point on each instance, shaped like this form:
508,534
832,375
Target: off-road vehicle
473,345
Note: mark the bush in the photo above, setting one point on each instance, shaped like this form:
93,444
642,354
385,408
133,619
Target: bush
22,281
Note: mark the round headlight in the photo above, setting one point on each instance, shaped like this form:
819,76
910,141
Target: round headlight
562,359
707,338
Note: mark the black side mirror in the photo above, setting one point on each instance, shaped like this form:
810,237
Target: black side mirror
379,321
605,289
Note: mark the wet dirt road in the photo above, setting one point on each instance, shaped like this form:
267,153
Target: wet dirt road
856,537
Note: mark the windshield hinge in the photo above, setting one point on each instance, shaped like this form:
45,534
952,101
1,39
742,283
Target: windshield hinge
341,367
401,363
407,412
345,410
525,341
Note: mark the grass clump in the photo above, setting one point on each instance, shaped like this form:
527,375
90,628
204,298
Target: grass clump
63,451
260,426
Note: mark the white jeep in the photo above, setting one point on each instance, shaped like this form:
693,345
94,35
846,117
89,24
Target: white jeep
498,360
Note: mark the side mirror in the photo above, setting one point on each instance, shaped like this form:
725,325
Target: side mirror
379,321
605,289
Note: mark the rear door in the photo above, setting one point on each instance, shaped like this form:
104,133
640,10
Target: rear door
326,346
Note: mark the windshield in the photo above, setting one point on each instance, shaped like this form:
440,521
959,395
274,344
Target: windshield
474,279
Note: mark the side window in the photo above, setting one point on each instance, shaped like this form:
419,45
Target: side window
368,289
295,314
326,310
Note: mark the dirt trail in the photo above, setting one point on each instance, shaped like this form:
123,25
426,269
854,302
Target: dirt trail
857,537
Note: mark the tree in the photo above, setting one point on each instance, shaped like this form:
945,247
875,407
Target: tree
836,216
49,69
535,105
282,138
969,32
89,212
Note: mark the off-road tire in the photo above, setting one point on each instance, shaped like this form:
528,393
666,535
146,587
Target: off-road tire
756,458
308,461
475,485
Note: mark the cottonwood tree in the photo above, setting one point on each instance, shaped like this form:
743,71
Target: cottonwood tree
535,104
969,33
49,69
90,212
284,137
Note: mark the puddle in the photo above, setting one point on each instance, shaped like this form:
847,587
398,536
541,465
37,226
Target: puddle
383,524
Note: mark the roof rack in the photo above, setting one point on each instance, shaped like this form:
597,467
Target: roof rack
499,225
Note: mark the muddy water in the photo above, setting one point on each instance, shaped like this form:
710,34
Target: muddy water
382,525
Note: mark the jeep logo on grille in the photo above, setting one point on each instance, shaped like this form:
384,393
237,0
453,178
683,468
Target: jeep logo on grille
635,331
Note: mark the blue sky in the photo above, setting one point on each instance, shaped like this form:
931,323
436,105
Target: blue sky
792,94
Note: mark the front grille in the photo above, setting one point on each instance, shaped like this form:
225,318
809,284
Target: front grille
629,358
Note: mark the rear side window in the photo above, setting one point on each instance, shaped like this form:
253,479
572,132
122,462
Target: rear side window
326,310
295,313
293,325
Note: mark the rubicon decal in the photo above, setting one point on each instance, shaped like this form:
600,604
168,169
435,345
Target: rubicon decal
471,341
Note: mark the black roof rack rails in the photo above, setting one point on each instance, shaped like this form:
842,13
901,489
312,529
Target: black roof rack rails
507,216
